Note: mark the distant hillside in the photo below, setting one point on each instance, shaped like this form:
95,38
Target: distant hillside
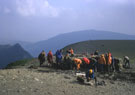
25,63
63,40
13,53
118,48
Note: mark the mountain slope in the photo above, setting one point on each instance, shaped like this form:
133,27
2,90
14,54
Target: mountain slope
62,40
118,48
10,54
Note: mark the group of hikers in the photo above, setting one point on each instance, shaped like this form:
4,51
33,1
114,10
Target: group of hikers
93,63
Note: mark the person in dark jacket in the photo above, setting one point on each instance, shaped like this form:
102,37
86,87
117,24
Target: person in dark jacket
116,64
112,65
41,57
96,52
93,64
67,61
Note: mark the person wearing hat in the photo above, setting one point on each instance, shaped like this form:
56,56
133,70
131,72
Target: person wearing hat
90,75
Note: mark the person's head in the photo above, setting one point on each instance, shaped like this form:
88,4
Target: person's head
61,50
102,55
43,52
109,54
106,54
67,54
91,54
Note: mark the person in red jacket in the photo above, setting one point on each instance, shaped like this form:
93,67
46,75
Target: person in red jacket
50,57
86,62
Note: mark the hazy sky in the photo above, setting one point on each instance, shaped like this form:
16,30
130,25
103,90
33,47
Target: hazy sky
34,20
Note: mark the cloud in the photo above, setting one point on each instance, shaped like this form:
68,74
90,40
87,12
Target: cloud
120,1
7,10
113,1
0,8
36,8
25,8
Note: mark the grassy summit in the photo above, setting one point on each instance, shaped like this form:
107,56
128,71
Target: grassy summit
118,48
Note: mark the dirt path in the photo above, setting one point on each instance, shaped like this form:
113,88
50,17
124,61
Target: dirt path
45,81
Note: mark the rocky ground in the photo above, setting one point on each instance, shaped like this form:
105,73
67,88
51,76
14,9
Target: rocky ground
47,81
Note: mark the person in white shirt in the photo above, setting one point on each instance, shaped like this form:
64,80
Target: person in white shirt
126,61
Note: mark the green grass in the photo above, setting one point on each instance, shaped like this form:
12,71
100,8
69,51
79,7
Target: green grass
118,48
24,62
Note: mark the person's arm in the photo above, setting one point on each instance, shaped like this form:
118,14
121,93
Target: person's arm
124,60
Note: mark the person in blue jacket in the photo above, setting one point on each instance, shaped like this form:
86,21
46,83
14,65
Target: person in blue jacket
90,75
58,57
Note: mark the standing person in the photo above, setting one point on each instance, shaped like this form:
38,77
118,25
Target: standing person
93,63
71,52
116,64
67,61
58,58
41,57
109,62
96,52
106,65
126,61
50,57
101,62
113,64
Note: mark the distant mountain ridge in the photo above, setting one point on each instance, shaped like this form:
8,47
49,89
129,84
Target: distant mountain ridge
63,40
9,53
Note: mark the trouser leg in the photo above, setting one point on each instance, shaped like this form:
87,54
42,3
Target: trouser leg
41,63
128,64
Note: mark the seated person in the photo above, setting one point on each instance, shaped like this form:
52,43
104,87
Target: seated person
90,75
